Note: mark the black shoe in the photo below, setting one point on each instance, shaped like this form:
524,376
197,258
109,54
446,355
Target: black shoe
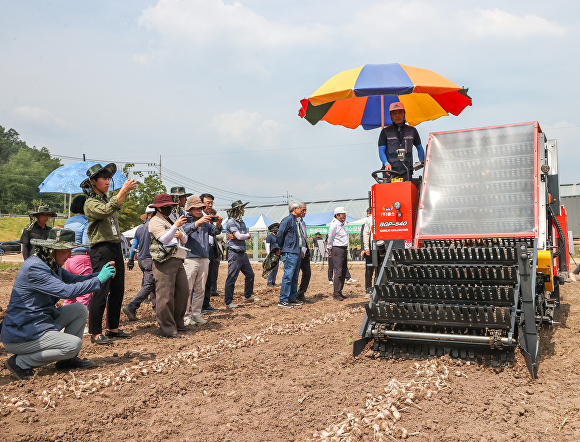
22,374
118,334
209,308
215,294
173,336
270,285
101,340
285,304
75,362
302,299
130,313
296,302
339,298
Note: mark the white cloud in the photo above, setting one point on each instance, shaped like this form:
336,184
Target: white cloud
141,59
503,24
205,22
400,24
44,116
243,127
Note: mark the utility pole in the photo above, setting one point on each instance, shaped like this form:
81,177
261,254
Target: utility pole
159,167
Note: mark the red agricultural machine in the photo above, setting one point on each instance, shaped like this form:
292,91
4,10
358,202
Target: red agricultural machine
473,251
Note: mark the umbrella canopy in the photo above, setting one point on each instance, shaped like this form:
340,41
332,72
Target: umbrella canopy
68,178
361,96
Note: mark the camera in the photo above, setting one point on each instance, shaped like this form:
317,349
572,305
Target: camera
214,219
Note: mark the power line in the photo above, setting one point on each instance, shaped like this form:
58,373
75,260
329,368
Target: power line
229,152
102,161
207,188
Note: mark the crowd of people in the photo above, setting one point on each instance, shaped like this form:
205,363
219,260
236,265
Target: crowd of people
178,253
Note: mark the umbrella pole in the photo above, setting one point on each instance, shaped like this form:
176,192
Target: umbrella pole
382,111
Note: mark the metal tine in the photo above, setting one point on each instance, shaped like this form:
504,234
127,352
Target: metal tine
397,255
421,254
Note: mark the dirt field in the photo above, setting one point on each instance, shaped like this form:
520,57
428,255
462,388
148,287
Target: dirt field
263,373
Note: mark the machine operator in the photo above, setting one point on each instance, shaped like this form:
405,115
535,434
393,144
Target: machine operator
396,143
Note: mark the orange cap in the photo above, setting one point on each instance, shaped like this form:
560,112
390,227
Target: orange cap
396,106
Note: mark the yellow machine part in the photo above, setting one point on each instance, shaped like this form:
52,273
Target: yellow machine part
545,266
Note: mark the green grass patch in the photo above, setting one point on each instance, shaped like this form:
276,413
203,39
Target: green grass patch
9,265
11,228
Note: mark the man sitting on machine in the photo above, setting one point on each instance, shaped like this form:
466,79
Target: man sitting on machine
396,143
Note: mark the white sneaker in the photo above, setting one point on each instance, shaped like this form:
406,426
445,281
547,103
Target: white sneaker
573,277
197,320
330,282
350,281
232,305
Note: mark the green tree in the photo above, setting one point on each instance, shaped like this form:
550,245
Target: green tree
22,169
137,200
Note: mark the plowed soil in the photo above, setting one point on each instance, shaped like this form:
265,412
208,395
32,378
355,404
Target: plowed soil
264,373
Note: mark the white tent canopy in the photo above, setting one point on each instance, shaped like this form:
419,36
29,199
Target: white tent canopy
261,225
130,234
358,221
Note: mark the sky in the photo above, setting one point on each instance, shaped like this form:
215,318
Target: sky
212,88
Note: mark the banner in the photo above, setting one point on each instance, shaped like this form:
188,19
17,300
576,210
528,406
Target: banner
323,230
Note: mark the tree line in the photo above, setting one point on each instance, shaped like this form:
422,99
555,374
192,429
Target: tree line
23,168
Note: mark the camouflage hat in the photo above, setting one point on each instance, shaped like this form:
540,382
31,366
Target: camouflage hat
239,203
58,239
93,170
179,191
42,210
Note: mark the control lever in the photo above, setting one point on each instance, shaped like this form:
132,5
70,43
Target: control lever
397,207
419,165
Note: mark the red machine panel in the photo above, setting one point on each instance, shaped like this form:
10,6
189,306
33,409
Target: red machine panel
563,220
388,222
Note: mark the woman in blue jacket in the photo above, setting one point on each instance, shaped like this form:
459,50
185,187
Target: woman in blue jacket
31,328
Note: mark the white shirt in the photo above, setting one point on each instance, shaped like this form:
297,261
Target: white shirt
337,235
367,232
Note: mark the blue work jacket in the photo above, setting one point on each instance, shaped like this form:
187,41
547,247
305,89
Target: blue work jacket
288,235
31,311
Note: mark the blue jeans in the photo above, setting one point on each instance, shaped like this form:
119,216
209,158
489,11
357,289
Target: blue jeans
289,288
272,276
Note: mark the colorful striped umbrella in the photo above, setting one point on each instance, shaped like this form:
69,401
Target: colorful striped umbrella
361,96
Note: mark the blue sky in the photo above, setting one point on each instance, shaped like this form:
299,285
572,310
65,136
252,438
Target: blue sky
213,86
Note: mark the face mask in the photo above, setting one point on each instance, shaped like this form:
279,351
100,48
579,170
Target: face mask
165,211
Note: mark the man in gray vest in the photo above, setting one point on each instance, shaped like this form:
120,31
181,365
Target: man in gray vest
396,143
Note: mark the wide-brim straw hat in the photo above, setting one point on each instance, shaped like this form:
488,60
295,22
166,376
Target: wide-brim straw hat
194,202
58,239
93,170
